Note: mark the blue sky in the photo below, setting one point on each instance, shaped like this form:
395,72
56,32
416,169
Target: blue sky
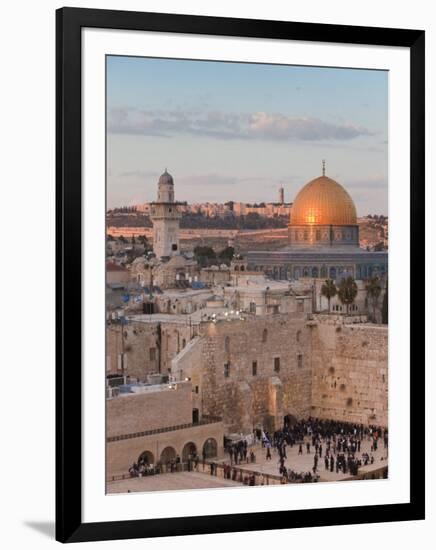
235,131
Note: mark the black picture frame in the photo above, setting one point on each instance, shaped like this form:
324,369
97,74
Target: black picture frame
69,23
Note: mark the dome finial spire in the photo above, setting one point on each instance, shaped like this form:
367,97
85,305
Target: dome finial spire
323,167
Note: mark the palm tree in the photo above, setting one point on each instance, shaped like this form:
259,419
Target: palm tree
373,290
329,290
347,291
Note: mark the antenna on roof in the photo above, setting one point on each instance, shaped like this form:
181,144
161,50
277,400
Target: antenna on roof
323,167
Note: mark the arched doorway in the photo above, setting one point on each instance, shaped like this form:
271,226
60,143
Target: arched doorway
189,449
146,457
332,273
323,271
210,448
315,272
167,455
289,420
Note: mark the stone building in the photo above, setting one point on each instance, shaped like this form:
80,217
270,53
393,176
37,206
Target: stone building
253,372
166,219
116,274
323,238
157,422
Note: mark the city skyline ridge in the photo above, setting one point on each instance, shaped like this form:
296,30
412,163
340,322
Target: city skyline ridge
236,131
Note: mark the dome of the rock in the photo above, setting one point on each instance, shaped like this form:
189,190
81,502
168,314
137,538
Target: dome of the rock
323,201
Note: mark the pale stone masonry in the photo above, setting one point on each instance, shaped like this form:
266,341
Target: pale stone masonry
252,372
349,372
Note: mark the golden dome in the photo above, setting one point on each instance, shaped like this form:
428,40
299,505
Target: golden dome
323,201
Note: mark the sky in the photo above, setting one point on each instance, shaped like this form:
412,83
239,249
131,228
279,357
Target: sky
239,131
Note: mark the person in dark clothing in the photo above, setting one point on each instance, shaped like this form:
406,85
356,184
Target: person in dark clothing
308,448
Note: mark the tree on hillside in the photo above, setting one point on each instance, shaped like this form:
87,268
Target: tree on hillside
347,291
373,291
329,290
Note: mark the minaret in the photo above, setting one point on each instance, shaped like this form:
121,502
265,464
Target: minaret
165,218
281,195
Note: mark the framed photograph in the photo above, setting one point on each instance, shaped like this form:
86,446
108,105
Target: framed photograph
240,257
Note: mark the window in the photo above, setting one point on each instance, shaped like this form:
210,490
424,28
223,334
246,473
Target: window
226,370
227,344
173,247
252,307
276,364
300,360
254,368
152,352
196,389
298,335
264,335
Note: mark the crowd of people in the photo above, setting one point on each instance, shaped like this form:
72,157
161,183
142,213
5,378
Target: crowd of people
337,443
144,468
238,452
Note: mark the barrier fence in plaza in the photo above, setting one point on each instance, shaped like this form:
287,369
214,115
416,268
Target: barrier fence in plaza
240,475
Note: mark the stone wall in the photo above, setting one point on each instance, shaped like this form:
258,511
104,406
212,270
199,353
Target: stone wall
350,372
148,346
280,347
122,453
140,344
150,410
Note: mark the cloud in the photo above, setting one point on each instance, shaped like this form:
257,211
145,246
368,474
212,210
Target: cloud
138,174
219,125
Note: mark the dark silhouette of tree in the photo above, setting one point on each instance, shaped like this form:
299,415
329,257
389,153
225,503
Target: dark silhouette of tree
329,290
205,255
226,254
373,289
385,309
347,291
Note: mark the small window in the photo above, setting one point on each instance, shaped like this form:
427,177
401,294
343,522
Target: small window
152,354
173,247
196,389
254,368
276,364
300,360
298,335
252,307
264,335
226,370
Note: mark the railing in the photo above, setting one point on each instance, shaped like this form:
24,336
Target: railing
205,420
240,473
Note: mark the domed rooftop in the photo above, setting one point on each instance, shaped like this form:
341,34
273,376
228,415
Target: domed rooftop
323,201
166,179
